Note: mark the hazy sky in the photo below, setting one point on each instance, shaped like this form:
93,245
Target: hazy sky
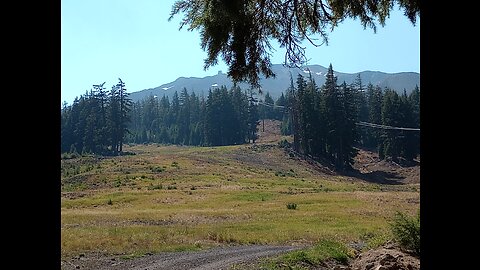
104,40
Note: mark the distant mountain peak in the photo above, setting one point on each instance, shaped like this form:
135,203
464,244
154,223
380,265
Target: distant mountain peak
275,86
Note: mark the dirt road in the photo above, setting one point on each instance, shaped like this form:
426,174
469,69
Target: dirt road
216,258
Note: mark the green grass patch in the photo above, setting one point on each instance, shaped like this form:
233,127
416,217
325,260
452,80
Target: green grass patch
252,196
311,257
101,199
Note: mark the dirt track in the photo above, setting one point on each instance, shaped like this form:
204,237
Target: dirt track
388,256
216,258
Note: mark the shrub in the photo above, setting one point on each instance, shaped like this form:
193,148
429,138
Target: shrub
154,187
406,231
292,206
284,144
157,169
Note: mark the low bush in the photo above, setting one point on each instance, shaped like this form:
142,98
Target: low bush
292,206
406,231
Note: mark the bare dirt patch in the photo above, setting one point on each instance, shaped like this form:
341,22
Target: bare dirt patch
388,257
371,168
269,131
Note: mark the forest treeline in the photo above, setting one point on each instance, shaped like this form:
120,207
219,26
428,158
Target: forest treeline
324,120
99,122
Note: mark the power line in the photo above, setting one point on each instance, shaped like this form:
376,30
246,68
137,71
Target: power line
271,105
365,124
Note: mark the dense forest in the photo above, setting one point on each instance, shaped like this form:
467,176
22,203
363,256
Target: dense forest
328,122
332,121
97,121
225,117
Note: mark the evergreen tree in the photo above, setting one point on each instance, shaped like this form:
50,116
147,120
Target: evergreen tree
349,135
125,107
173,119
293,107
228,118
391,117
241,31
314,132
66,129
118,116
194,128
212,110
375,101
150,117
361,106
240,105
302,102
333,116
92,124
201,124
407,139
279,110
165,120
74,127
183,120
81,125
91,114
269,111
414,99
252,118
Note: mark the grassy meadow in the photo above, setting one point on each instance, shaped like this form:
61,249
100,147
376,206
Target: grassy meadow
172,198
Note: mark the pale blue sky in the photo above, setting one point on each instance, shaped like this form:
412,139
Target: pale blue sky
103,40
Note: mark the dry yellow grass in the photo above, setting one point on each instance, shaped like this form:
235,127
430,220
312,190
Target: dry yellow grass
167,198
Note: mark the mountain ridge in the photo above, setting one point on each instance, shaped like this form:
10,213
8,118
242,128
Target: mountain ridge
275,86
